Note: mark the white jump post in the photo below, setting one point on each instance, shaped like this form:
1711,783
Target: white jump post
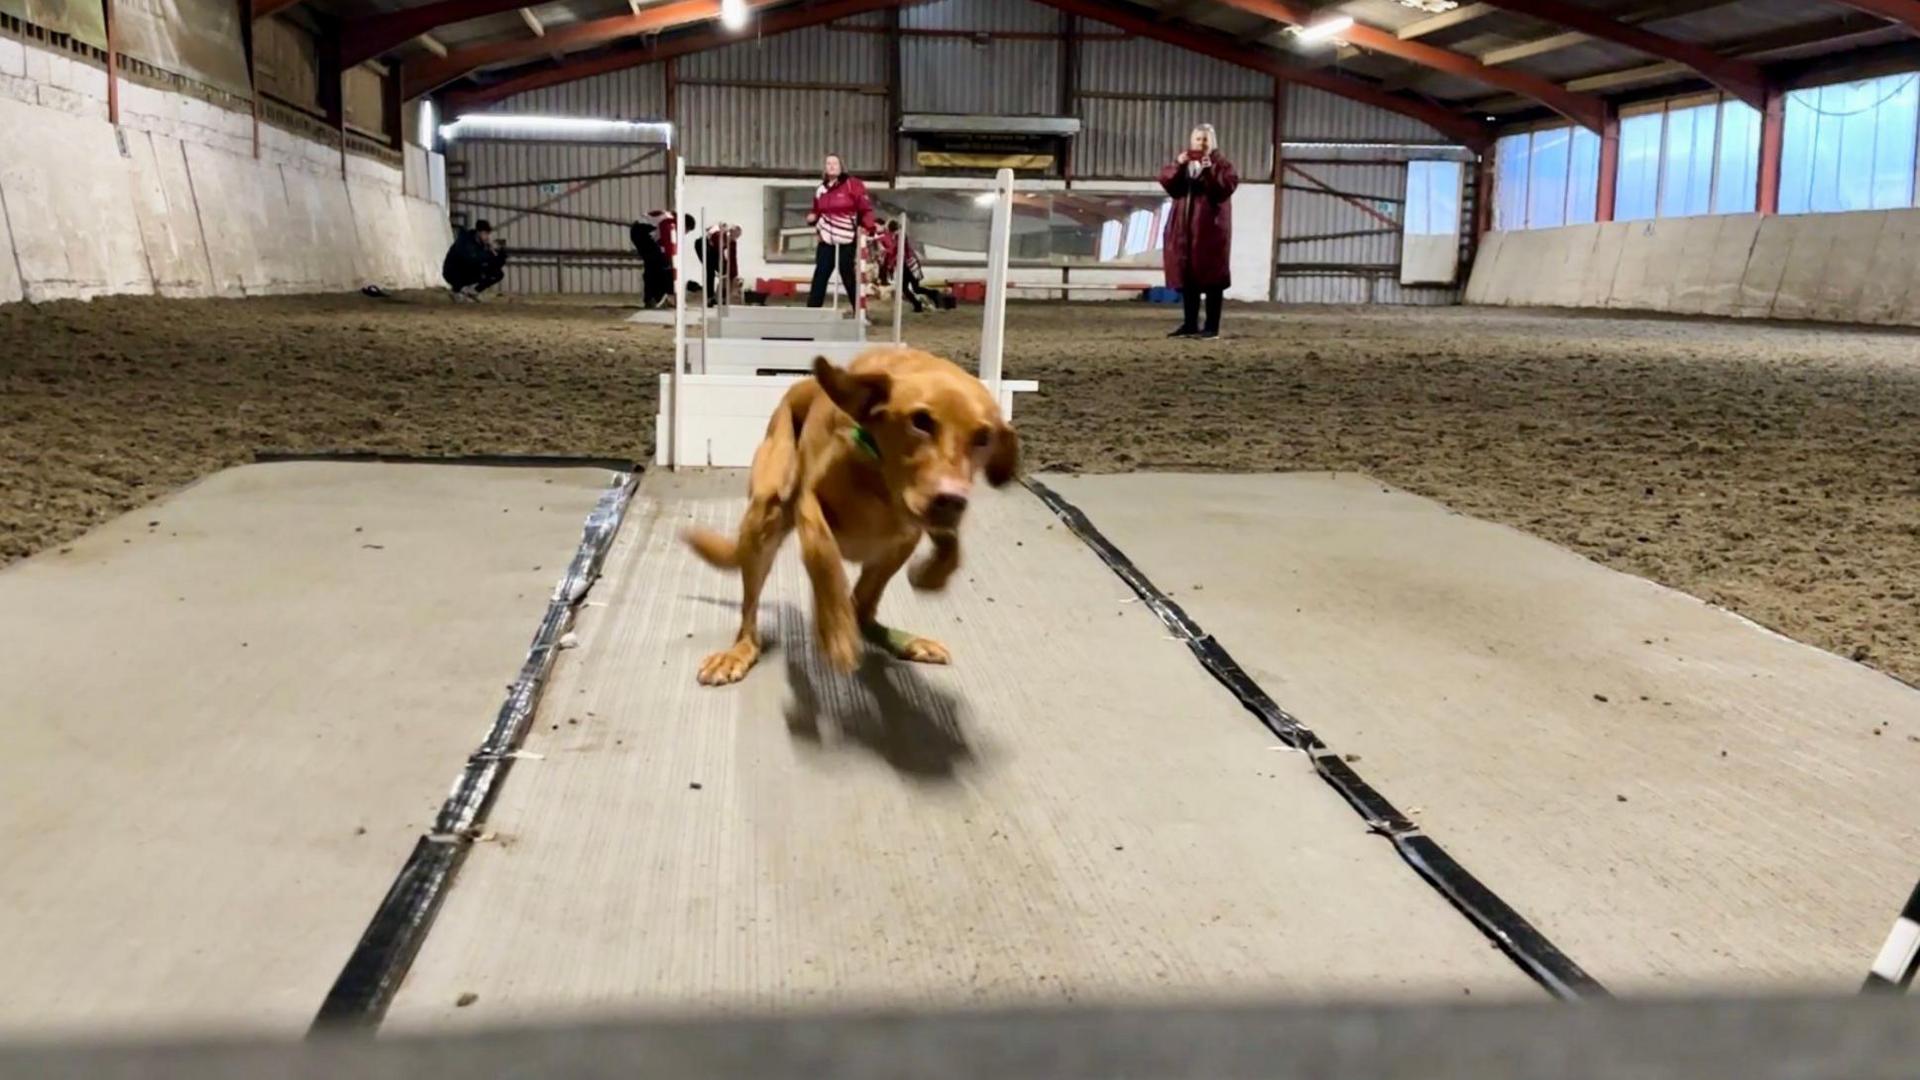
1000,246
899,279
674,416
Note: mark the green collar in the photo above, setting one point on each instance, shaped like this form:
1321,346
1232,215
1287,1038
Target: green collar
862,439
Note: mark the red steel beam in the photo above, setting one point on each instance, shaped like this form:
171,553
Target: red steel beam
431,74
365,38
1773,139
1904,12
778,22
1741,78
1453,124
1586,110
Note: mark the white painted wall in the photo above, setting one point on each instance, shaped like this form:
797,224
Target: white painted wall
1856,267
175,203
742,201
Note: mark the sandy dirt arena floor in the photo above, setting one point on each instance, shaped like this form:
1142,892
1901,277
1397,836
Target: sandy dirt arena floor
1771,469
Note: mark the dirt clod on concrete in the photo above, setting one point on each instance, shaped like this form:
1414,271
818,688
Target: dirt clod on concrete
1766,468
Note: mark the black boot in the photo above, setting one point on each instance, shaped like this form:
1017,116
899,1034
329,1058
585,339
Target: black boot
1189,326
1214,298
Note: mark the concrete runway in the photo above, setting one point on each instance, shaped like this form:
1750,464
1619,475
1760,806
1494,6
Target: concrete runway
1680,799
231,726
226,728
1074,811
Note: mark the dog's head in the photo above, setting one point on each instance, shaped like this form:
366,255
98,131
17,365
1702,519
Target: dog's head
934,426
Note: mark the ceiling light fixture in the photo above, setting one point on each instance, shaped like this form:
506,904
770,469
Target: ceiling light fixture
733,14
1324,30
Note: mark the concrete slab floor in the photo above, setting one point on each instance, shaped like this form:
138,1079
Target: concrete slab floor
230,714
1073,811
1677,797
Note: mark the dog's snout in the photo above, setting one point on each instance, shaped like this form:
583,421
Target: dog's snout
946,508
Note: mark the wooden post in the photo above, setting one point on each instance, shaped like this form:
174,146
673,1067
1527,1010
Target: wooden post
1279,191
895,68
670,76
390,106
113,66
333,90
253,71
1609,186
1069,90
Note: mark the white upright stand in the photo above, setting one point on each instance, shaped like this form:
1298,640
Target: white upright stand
674,417
993,327
716,399
899,279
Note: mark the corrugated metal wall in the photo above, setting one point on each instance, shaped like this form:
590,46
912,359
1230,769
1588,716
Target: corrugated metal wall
774,105
562,209
764,127
1317,116
636,93
579,243
1138,99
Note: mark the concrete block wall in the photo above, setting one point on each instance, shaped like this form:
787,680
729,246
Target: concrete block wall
1857,268
175,203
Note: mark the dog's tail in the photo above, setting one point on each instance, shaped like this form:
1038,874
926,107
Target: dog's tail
719,552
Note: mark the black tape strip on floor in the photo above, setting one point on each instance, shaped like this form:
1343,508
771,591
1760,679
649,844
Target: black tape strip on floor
497,461
366,985
1504,926
1899,960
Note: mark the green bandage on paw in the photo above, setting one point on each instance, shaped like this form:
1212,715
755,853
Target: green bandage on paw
886,637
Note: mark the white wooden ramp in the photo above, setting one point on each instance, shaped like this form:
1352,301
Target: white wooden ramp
1073,811
1677,798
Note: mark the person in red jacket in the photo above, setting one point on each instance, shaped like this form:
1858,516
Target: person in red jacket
1199,240
910,287
841,212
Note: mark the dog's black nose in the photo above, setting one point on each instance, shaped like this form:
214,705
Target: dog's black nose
946,509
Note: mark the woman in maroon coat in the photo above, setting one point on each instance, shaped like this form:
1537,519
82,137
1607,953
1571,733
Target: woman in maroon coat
1199,240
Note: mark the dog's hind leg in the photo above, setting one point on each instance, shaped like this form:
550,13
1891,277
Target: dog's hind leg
763,528
901,645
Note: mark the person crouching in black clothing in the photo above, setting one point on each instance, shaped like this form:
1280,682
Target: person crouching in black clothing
656,273
474,263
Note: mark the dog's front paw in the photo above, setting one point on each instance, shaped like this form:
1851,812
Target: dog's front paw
931,573
726,668
920,650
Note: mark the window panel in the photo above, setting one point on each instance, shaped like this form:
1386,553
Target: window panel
1796,156
1851,146
1433,198
1510,182
1547,179
1737,188
1583,178
1636,197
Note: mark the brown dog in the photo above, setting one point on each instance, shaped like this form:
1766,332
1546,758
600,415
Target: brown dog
862,462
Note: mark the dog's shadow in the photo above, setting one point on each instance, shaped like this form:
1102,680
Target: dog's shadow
887,707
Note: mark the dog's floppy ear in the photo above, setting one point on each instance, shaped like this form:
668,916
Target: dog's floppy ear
857,395
1004,462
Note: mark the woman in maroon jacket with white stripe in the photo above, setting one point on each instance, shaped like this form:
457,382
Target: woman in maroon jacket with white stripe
841,211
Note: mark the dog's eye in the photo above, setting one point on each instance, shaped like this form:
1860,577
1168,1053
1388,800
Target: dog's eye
981,438
924,423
